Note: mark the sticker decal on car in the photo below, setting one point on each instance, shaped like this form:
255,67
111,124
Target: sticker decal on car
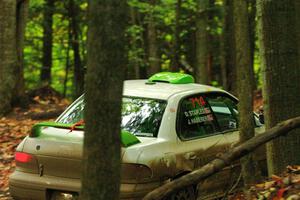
198,101
200,119
196,112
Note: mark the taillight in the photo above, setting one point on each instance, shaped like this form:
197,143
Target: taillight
23,157
26,162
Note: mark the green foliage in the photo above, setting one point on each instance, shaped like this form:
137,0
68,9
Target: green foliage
163,14
33,46
135,52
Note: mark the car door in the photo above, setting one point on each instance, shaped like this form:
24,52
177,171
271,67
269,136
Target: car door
225,111
200,140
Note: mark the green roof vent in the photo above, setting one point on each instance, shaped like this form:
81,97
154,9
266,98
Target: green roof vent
171,77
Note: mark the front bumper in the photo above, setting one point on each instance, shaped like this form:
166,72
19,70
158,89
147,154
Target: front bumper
33,187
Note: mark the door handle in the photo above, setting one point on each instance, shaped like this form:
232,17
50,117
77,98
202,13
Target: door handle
190,156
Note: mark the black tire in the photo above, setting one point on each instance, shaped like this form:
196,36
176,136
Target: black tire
187,193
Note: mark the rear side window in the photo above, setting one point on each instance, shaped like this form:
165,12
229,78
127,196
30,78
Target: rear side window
195,118
140,116
225,110
74,113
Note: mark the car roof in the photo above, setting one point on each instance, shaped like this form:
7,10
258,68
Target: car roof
163,91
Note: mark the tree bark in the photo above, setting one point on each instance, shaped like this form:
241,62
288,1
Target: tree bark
278,36
210,40
191,49
224,160
19,97
133,70
252,34
228,49
78,68
298,26
244,86
105,75
175,62
45,75
8,53
67,67
12,25
202,47
153,55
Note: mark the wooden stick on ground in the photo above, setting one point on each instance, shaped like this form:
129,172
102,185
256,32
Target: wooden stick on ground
224,160
46,115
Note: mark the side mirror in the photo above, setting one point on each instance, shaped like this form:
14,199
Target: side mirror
261,118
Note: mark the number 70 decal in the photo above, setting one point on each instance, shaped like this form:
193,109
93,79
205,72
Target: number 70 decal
198,101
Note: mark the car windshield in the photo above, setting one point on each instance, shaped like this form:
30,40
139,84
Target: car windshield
140,116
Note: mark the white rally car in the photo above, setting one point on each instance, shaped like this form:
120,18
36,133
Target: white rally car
170,126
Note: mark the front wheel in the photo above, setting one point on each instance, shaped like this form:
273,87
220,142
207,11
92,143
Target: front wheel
187,193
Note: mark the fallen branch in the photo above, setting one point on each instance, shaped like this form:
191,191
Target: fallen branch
46,115
224,160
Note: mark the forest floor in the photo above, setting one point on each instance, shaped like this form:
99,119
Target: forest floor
283,187
17,124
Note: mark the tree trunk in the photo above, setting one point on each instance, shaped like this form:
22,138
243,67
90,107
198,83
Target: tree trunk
298,26
78,68
175,61
12,25
67,67
278,35
191,49
210,40
106,61
45,75
8,53
252,32
133,70
228,50
19,97
244,86
202,51
153,56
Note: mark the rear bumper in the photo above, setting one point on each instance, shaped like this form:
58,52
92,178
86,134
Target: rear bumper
33,187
